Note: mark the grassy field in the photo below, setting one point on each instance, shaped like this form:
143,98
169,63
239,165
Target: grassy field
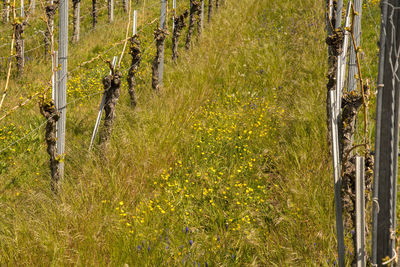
228,166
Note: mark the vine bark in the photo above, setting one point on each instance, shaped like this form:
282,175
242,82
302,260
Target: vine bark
136,54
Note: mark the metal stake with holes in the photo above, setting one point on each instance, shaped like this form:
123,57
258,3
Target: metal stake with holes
387,137
62,81
101,108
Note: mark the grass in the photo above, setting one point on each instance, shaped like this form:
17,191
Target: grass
228,166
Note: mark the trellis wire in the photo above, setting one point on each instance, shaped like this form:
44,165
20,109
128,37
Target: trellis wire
64,73
85,34
23,138
42,124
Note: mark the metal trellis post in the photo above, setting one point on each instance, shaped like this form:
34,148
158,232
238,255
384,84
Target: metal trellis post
134,28
353,68
341,68
62,81
387,135
337,177
339,11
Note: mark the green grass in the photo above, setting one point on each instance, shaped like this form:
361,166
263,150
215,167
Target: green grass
228,165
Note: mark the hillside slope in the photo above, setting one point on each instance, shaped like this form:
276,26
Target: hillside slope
228,166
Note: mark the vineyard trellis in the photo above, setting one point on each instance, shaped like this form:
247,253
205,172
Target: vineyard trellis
346,103
387,136
54,110
350,170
